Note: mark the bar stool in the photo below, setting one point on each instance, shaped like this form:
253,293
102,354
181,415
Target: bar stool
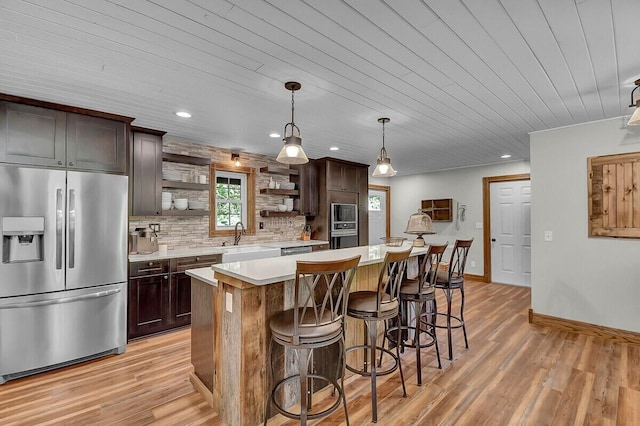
377,306
316,320
420,293
450,280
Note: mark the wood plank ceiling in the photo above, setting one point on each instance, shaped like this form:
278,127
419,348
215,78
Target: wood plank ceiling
463,81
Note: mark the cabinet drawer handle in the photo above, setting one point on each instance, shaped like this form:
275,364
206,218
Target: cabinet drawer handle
197,259
150,264
149,270
71,163
59,163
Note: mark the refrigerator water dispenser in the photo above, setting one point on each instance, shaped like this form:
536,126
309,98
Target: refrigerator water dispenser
22,239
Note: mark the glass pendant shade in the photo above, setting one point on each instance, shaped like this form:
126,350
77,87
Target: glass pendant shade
635,118
419,224
292,152
383,163
383,166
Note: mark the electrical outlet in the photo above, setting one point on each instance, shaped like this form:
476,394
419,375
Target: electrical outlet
229,301
478,225
473,263
548,235
155,227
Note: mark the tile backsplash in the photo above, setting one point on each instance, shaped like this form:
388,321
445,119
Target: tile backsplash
193,231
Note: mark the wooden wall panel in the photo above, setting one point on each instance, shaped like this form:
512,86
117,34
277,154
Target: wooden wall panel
614,198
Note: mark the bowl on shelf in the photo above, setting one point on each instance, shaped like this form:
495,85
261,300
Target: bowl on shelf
196,205
289,207
282,208
393,241
181,203
287,185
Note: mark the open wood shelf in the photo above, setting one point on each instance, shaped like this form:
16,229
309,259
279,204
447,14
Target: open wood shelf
271,213
186,159
185,212
279,191
185,185
274,170
440,210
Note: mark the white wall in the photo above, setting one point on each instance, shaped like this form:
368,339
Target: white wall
464,186
594,280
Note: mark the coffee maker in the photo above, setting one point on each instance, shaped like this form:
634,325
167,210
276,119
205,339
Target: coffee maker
143,241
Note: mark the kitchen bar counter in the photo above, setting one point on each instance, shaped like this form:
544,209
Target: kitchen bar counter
202,251
230,333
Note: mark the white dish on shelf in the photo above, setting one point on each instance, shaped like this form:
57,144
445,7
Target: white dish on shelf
287,185
290,208
282,208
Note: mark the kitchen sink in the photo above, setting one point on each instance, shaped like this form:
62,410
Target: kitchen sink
238,253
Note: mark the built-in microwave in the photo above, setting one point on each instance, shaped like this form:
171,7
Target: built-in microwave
344,219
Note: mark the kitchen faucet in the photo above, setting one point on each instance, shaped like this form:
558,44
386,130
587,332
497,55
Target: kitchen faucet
237,234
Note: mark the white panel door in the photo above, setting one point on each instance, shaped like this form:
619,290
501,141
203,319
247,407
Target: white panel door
511,232
377,216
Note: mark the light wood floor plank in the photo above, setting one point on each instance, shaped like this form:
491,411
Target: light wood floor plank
512,373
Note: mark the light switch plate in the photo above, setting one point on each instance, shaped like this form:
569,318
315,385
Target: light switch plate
229,301
548,235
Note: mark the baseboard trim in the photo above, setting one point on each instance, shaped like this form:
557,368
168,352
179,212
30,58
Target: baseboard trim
202,389
617,335
474,277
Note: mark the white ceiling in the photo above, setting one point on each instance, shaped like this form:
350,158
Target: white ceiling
463,81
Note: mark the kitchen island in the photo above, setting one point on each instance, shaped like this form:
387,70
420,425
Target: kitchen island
230,333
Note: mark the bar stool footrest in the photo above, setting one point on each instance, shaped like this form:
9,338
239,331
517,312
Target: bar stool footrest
310,416
428,344
459,323
364,372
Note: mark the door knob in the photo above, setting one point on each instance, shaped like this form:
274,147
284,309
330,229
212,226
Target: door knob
493,240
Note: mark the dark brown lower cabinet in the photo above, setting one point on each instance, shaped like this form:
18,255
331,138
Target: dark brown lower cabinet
160,293
180,299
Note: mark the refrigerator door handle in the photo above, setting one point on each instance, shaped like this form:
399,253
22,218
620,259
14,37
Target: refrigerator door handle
59,219
61,300
72,228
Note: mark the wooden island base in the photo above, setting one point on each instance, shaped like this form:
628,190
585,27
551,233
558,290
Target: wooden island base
230,335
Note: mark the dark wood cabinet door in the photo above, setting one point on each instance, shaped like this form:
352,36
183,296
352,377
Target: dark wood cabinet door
180,299
342,177
146,175
148,305
95,143
307,180
32,135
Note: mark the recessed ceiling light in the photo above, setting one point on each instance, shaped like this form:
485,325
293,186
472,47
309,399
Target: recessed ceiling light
334,148
274,135
505,156
183,114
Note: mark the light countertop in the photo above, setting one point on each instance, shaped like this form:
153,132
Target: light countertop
272,270
202,251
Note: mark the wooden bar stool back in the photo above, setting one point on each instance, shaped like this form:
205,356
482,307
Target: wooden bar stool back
374,307
316,320
450,280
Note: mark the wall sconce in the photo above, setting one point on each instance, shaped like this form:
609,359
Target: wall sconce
235,158
635,118
292,152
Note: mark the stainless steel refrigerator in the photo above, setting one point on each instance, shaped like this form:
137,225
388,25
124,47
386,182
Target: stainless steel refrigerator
63,274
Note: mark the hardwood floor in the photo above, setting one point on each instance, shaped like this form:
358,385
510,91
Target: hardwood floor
512,373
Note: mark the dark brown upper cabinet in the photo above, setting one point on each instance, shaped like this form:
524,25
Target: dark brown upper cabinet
41,136
146,172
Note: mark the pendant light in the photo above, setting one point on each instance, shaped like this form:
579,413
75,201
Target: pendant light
635,118
292,152
383,167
